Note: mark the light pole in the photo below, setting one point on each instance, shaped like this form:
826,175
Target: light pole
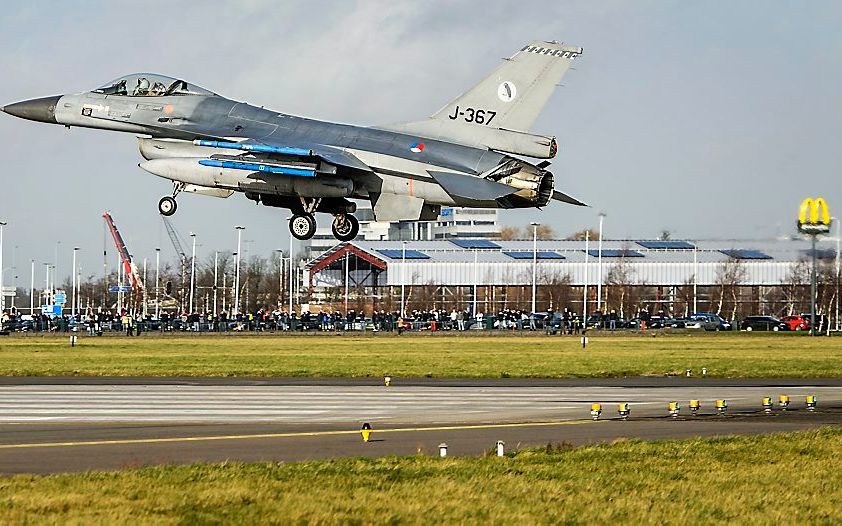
73,292
534,261
585,287
192,271
215,279
280,252
599,266
157,283
239,230
838,237
403,278
695,277
476,279
290,270
31,287
2,293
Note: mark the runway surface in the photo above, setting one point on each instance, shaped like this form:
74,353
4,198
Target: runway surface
51,425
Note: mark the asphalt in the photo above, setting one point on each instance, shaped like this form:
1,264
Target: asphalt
50,425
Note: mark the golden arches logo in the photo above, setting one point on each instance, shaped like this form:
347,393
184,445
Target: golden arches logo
814,212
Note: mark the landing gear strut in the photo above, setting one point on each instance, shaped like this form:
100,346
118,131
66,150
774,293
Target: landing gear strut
302,226
167,205
345,227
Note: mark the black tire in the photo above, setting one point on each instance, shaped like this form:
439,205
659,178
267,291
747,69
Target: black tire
167,206
345,227
302,226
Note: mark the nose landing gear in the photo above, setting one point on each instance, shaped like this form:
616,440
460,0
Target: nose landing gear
167,205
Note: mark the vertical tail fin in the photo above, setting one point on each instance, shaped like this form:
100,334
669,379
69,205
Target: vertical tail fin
513,95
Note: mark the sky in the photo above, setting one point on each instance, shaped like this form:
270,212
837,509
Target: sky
707,119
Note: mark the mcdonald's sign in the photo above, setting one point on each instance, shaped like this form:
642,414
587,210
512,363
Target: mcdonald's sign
814,216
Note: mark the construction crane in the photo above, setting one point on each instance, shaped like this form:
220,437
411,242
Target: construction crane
174,238
125,258
179,249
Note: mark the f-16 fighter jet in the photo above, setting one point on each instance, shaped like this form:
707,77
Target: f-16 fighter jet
470,153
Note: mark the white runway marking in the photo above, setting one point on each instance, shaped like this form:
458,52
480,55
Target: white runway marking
334,404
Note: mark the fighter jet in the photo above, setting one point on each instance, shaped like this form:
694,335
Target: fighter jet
470,153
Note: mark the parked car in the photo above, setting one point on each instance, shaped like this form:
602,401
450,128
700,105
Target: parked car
760,323
795,323
707,321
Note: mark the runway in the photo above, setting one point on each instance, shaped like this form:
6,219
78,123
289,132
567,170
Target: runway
53,425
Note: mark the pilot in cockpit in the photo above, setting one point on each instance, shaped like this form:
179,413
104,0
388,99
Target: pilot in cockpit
158,89
142,89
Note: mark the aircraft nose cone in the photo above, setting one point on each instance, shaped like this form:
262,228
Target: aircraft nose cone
41,110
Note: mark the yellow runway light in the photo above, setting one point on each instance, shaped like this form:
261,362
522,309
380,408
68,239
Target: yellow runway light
811,402
387,381
674,409
783,401
721,407
596,410
767,404
694,407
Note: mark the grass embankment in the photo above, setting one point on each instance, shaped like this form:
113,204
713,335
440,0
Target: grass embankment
791,478
724,355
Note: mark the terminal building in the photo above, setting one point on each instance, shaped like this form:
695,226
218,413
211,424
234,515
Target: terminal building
730,277
451,223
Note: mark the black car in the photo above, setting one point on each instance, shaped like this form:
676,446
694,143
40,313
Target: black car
760,323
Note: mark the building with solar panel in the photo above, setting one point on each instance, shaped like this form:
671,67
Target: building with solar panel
733,278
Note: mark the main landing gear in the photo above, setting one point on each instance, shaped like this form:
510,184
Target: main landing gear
167,205
345,227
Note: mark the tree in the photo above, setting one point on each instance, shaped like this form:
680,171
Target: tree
580,235
545,232
507,233
729,277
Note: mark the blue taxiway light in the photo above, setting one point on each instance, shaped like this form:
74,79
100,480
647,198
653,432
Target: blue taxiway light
255,167
261,148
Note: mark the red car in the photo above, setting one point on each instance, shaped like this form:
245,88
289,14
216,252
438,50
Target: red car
795,323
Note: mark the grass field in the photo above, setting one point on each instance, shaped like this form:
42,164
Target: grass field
724,355
779,479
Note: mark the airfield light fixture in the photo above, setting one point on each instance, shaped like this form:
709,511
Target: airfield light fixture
721,407
501,448
596,410
767,404
674,409
688,373
442,450
694,407
387,381
2,296
704,371
783,401
624,410
366,432
811,402
535,226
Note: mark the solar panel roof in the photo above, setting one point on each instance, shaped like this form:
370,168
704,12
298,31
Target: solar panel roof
399,254
612,253
474,243
740,253
674,245
541,254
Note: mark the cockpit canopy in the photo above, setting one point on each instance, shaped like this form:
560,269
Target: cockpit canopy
150,85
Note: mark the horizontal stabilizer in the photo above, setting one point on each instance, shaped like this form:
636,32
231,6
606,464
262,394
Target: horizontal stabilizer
470,187
564,198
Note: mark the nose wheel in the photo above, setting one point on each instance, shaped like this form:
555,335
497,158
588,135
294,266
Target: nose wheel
345,227
167,206
302,226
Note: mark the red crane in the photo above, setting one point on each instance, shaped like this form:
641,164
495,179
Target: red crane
125,258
